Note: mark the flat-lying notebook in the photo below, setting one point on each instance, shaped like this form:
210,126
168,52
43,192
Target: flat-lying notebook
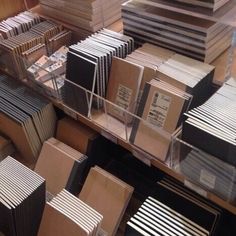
161,108
201,39
108,195
213,125
22,199
26,118
61,166
66,215
123,88
6,147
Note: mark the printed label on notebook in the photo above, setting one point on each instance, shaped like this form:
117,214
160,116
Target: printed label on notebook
158,109
123,98
208,179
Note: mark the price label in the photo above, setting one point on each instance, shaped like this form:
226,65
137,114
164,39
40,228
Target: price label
70,112
142,156
195,188
109,136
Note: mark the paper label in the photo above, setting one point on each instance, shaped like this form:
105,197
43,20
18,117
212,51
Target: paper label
123,98
70,112
109,136
208,179
158,109
142,156
195,188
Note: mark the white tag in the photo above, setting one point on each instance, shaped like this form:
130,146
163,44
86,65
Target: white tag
158,109
109,136
123,98
195,188
142,156
70,112
208,179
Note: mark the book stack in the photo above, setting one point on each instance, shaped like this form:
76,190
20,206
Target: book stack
161,108
61,166
201,39
6,147
18,24
27,119
160,215
89,15
210,172
23,50
22,199
213,124
88,66
66,215
108,195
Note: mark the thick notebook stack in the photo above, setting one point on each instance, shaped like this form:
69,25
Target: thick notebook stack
89,15
22,199
88,66
161,215
66,215
61,166
161,108
198,38
108,195
211,126
27,119
18,24
210,172
6,147
23,50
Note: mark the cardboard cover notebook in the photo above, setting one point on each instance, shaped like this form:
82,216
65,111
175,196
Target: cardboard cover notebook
161,108
123,87
108,195
22,199
61,166
66,215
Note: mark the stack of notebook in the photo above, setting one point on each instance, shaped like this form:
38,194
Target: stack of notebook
22,199
18,24
211,126
198,38
161,108
210,172
89,15
66,215
161,215
6,147
108,195
26,48
27,119
88,66
61,166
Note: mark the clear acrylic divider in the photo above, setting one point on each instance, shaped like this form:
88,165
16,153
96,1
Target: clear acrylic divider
204,170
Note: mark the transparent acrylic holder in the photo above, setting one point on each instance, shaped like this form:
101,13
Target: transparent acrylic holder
204,170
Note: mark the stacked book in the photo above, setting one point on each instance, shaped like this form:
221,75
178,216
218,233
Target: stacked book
62,167
201,39
18,24
27,119
88,68
22,199
211,126
210,172
66,215
89,15
160,215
